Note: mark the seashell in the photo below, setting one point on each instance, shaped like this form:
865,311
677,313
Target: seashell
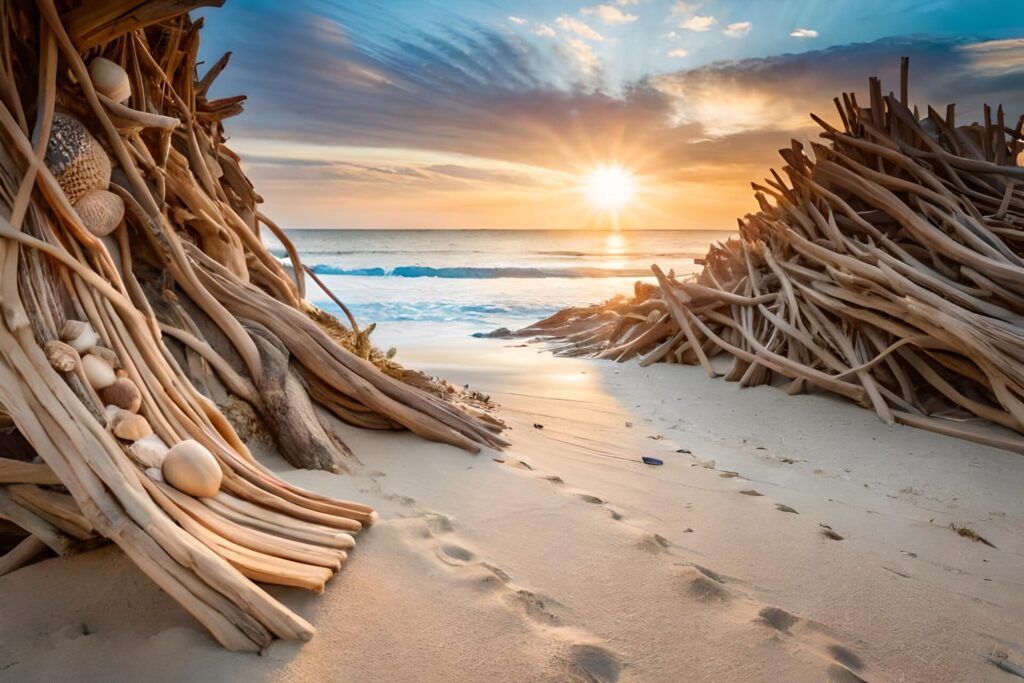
62,357
110,79
122,393
79,335
76,159
106,354
149,450
100,211
129,426
98,371
192,469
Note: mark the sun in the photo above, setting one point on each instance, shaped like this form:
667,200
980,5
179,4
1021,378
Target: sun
609,188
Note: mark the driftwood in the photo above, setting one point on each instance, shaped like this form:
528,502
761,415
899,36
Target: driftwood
886,266
131,265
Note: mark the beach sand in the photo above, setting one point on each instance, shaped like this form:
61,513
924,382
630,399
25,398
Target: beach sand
566,558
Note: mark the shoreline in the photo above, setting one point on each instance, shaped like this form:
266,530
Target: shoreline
571,559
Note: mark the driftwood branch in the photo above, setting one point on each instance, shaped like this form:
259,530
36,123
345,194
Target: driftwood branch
888,268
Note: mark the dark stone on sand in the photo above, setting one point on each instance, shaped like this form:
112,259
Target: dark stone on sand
500,333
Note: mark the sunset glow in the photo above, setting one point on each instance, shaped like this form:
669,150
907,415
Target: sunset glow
609,188
617,115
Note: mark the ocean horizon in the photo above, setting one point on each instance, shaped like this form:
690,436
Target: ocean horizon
478,280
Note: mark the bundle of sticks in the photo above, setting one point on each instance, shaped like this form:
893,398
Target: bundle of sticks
135,289
889,269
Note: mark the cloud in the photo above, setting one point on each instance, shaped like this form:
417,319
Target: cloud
678,52
544,31
682,7
624,3
576,26
518,21
804,33
727,98
994,57
610,15
738,29
584,54
699,23
484,97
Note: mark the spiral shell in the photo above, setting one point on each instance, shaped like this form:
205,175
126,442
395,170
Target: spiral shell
100,211
110,79
76,159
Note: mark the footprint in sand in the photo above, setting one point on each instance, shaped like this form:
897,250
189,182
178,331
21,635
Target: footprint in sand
454,552
778,619
593,663
704,584
785,508
751,492
654,544
587,498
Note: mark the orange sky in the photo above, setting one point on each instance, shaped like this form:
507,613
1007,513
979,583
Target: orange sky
422,114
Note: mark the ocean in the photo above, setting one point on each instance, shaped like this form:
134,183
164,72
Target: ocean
479,280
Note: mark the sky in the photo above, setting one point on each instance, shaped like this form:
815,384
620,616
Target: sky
488,114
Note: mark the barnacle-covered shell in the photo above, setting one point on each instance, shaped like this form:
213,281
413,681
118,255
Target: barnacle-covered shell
100,211
110,79
62,357
76,159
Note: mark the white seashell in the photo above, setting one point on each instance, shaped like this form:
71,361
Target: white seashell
150,450
110,79
192,469
100,211
79,335
98,371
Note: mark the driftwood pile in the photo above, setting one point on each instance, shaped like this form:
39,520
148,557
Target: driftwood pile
134,287
886,266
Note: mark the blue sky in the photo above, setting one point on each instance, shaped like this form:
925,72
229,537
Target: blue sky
477,113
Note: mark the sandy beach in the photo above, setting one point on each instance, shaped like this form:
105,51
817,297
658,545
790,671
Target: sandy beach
566,558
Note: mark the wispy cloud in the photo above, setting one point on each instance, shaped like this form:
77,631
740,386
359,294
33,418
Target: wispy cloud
544,31
803,33
738,29
699,23
441,110
683,7
567,23
584,54
610,14
519,21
